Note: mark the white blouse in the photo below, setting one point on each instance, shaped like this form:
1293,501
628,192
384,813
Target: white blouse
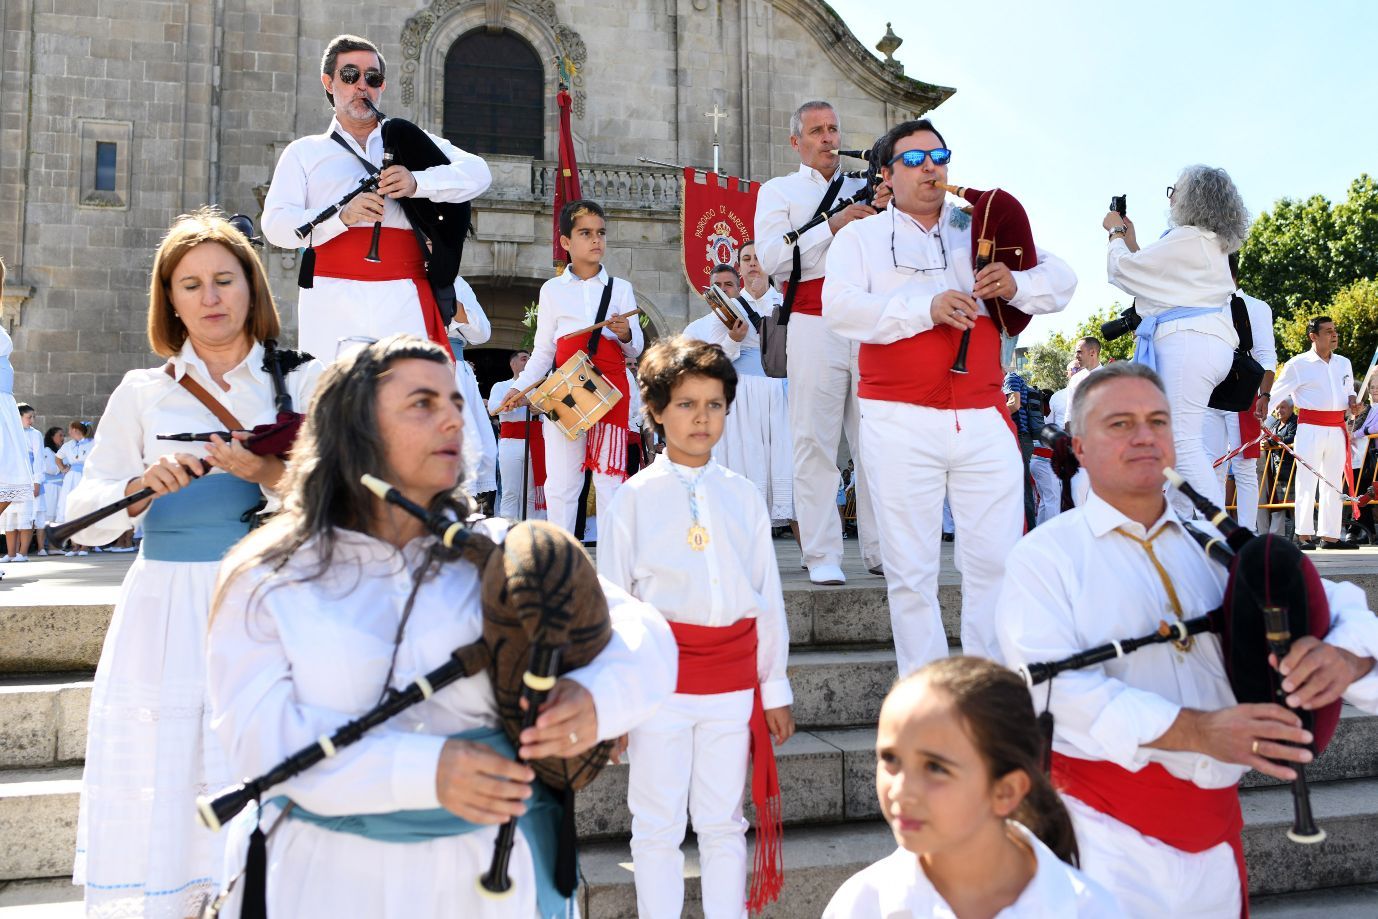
643,548
148,403
1184,268
569,303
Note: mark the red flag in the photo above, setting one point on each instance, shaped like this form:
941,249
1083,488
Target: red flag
717,216
566,176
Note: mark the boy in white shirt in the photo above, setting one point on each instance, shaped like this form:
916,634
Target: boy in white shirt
693,539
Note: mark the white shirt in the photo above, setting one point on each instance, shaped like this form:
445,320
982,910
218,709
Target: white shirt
475,329
36,457
149,402
1074,584
50,467
1057,408
76,451
710,328
1075,383
1265,349
643,548
568,304
315,172
788,202
1310,382
896,887
495,397
1184,268
867,298
292,659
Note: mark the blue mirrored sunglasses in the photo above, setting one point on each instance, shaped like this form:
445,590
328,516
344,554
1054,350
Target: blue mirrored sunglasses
911,158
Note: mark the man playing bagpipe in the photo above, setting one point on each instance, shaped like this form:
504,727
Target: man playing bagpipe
1148,747
383,261
902,284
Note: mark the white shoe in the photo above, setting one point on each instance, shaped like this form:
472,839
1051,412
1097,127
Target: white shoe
83,552
97,549
19,558
827,574
4,558
42,553
69,553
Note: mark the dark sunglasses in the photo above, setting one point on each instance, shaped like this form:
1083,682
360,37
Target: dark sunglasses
349,75
912,158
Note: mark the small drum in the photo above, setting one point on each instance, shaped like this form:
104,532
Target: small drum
576,396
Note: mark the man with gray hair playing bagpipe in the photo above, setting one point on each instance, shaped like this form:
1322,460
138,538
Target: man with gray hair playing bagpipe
1148,745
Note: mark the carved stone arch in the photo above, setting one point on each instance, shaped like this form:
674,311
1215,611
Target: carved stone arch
660,324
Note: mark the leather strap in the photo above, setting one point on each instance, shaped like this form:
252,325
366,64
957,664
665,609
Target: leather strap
222,414
372,169
597,334
797,268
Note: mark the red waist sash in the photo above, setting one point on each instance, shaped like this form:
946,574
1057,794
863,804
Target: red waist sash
400,259
514,430
1045,452
605,444
808,298
1249,429
1158,804
723,659
918,369
1334,420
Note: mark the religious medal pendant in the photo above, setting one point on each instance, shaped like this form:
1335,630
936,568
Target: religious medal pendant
698,537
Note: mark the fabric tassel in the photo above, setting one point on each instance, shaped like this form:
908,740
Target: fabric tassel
768,864
306,272
566,855
606,450
255,905
540,498
1045,728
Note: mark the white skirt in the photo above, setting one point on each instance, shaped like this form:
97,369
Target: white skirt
150,751
756,442
16,478
70,480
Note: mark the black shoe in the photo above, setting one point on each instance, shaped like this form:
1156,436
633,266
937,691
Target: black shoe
1305,545
1340,544
947,537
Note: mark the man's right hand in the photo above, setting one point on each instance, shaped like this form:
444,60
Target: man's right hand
850,213
366,207
1253,735
954,308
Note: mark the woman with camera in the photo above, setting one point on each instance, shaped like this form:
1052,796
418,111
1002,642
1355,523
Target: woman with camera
1182,288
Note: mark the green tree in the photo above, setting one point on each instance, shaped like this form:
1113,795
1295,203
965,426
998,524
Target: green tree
1355,311
1304,252
1047,367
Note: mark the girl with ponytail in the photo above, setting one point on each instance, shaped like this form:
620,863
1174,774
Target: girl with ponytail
981,832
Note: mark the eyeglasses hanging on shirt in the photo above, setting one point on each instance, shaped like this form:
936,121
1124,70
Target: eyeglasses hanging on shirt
895,259
349,75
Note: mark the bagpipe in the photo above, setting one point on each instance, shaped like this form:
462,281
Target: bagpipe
272,439
863,195
1273,595
1000,232
544,614
1064,462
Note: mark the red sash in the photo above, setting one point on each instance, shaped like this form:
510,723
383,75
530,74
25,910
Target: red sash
1045,452
1158,804
513,430
1334,420
605,444
808,299
401,259
516,430
1249,429
723,659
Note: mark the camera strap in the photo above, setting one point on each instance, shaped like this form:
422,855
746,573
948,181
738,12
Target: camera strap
797,268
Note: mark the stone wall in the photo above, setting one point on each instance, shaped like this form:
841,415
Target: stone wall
201,96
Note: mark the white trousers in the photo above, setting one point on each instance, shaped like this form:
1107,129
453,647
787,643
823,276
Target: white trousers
1222,436
1328,451
691,758
510,453
1047,487
480,443
564,477
915,454
1150,878
823,405
1192,364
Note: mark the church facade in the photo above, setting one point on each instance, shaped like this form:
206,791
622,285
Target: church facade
115,123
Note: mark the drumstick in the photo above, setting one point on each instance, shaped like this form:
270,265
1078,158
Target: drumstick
499,410
605,322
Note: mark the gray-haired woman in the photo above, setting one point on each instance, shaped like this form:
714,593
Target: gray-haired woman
1182,288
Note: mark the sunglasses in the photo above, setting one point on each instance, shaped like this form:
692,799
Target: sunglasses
912,158
349,75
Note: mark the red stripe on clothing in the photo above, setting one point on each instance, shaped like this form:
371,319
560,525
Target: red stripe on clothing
808,298
723,659
1156,803
514,430
400,259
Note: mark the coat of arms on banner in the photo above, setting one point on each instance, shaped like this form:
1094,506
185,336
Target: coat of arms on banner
717,214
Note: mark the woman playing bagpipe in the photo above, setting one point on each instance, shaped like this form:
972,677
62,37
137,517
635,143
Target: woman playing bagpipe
343,596
1148,747
150,750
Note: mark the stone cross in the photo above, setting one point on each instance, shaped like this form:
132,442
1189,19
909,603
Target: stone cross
715,115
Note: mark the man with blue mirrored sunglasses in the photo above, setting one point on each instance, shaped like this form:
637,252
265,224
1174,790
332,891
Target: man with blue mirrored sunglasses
901,285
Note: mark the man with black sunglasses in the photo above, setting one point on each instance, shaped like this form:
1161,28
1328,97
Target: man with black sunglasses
902,285
343,295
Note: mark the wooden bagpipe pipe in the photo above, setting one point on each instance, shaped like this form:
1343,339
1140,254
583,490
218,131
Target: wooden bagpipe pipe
272,439
863,195
544,614
1273,595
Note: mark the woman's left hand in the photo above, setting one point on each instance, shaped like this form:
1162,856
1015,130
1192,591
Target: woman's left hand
238,461
566,727
1113,221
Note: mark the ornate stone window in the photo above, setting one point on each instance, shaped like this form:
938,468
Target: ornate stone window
495,95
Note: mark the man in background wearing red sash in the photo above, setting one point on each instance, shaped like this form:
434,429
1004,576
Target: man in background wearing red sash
1149,748
349,297
822,365
512,447
1320,383
901,284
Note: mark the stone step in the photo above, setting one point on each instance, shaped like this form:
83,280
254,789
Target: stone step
47,898
819,858
53,638
1359,902
43,718
38,806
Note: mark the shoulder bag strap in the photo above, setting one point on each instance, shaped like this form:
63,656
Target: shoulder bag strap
751,314
597,334
797,268
1239,312
198,392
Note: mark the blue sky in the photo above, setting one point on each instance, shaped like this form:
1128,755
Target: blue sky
1067,103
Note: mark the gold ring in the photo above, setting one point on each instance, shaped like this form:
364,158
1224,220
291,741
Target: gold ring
1255,747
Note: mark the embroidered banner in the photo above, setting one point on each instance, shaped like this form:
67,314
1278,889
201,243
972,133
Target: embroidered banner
716,216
